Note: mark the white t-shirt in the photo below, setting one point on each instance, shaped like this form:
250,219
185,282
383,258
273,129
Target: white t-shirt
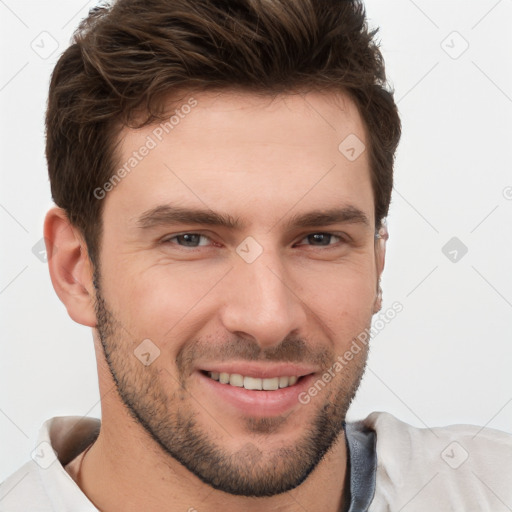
392,467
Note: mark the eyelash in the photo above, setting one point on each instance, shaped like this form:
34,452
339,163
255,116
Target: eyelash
169,239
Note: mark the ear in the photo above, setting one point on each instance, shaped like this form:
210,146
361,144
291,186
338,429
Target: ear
380,259
71,271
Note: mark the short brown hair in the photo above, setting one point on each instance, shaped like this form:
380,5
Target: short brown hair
129,57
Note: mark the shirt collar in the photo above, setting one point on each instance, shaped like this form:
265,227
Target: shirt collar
362,465
69,436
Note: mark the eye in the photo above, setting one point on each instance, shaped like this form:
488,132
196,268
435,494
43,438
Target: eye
187,240
322,239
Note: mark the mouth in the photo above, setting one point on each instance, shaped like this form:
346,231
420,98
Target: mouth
254,390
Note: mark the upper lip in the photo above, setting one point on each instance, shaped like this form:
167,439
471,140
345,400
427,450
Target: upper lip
260,370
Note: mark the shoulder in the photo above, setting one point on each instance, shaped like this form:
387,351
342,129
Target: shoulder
457,467
42,484
23,491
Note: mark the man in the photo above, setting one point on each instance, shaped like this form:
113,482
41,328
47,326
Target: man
222,171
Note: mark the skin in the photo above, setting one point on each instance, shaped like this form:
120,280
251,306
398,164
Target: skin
261,160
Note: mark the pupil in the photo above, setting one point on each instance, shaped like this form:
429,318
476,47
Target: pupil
320,237
190,239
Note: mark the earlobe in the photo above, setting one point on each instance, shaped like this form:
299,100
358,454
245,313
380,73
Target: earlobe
70,269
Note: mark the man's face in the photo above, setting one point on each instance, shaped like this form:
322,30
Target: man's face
276,291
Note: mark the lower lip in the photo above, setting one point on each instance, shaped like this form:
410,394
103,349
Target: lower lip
257,403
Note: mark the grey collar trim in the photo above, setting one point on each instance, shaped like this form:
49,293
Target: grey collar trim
362,465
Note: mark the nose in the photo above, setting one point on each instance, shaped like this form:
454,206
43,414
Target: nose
260,301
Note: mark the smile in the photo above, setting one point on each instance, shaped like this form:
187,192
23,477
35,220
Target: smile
253,383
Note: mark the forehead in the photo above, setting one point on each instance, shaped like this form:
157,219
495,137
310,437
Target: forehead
248,155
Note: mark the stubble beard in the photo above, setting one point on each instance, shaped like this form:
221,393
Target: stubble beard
170,421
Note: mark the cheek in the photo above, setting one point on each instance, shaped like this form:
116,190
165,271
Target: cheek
169,303
343,296
163,300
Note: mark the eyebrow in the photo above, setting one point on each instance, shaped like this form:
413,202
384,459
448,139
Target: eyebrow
345,215
164,215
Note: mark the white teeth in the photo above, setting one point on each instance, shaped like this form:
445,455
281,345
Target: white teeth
237,380
253,383
271,384
283,382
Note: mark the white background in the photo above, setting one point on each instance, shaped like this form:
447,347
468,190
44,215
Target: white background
445,359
